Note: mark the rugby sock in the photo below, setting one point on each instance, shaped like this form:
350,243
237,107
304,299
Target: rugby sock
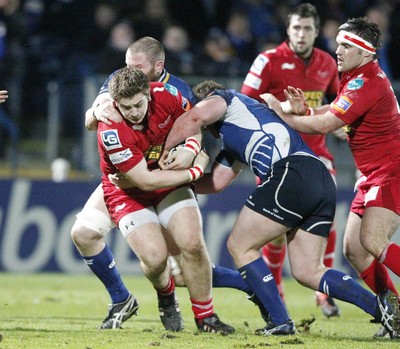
274,256
168,290
202,310
330,249
260,279
341,286
390,257
377,277
103,265
224,277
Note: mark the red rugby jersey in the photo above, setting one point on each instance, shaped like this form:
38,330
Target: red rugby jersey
122,146
274,70
367,104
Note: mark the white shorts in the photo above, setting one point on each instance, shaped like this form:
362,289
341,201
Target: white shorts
178,199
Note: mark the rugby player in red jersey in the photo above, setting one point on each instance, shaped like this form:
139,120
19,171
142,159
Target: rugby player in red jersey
296,62
154,202
367,108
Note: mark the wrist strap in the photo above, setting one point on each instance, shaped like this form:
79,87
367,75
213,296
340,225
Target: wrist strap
310,111
192,145
195,172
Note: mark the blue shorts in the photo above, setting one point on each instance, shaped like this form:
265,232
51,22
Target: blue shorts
299,192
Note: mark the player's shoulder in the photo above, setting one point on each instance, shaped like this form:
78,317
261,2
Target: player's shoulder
323,55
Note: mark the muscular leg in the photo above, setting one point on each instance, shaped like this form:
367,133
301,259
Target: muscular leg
87,233
374,273
148,243
250,233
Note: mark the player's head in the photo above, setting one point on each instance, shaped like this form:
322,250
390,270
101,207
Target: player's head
203,89
302,28
358,40
148,55
130,90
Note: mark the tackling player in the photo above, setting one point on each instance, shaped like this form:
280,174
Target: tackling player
296,62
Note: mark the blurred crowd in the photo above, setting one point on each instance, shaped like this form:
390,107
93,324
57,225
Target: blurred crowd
69,40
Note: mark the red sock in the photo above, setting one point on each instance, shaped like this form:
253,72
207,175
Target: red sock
202,309
330,248
377,277
391,257
169,289
274,256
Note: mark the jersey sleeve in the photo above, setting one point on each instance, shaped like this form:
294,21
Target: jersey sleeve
356,99
257,80
120,147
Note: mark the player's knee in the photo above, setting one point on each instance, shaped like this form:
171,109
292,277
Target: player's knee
83,236
194,249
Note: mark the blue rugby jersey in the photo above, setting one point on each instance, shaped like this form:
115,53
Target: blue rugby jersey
254,134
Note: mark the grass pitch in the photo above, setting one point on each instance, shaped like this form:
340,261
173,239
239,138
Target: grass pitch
39,311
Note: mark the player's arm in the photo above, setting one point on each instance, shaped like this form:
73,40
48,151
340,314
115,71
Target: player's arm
102,110
205,112
312,123
148,180
3,96
217,180
181,156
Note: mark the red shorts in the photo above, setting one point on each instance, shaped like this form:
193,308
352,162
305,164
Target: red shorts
380,189
119,202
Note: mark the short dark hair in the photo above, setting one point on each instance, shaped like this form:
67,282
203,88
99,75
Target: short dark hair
305,11
128,82
365,29
203,89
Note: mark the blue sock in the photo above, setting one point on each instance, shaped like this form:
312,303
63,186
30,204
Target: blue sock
224,277
341,286
103,265
259,277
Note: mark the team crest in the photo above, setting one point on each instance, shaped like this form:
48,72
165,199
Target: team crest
355,84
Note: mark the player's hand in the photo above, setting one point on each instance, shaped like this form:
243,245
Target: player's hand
120,181
339,133
297,100
179,158
201,159
3,96
106,112
272,102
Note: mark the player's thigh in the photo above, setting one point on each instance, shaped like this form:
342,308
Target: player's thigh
252,231
148,243
377,227
305,252
185,229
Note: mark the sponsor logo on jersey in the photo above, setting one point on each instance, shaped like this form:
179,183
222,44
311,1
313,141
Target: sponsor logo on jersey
346,277
121,156
322,74
158,89
120,207
314,98
110,139
165,123
259,64
355,84
153,153
343,104
171,89
288,66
